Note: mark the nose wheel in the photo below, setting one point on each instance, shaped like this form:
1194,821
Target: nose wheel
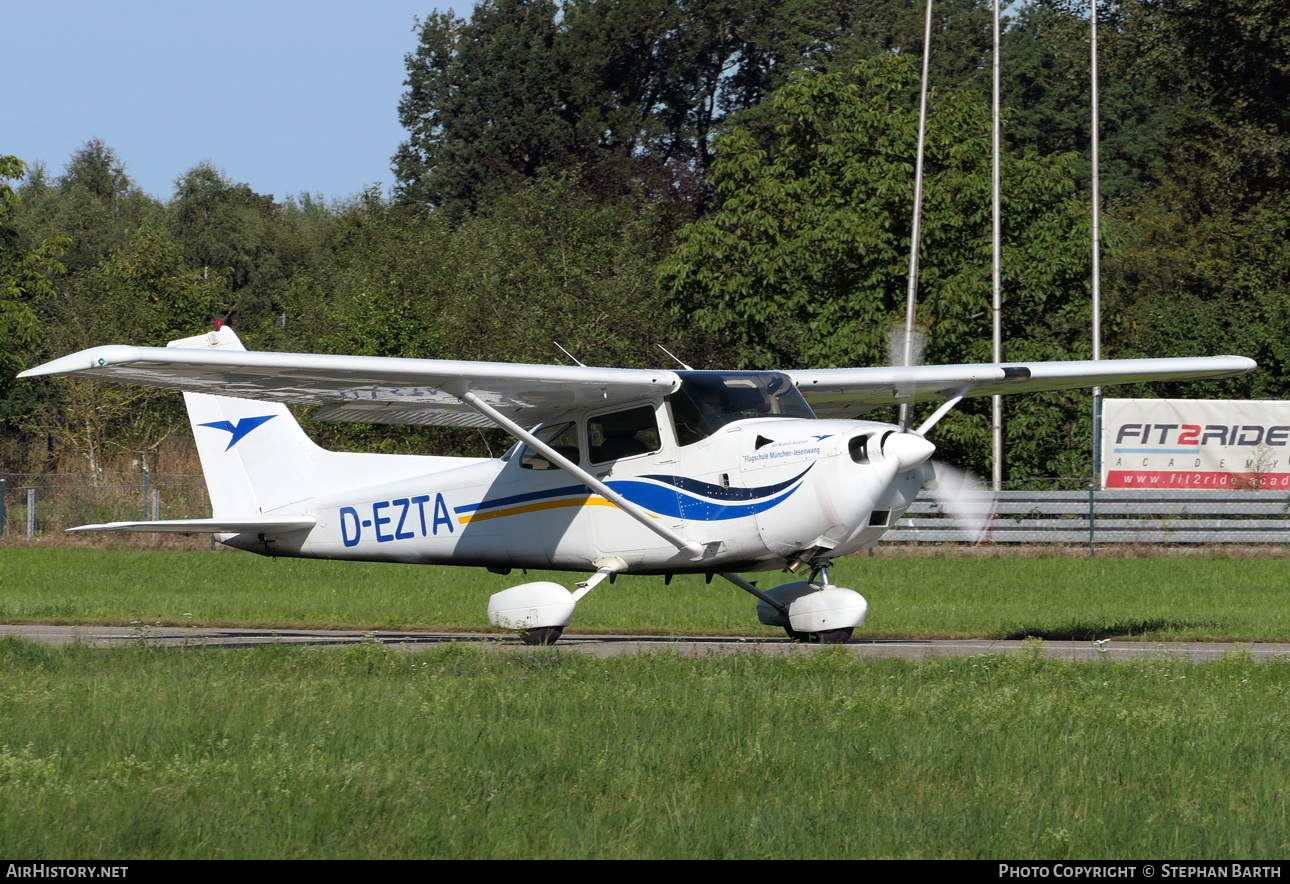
827,637
541,635
817,613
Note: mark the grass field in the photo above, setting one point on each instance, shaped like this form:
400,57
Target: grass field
282,751
1210,597
474,751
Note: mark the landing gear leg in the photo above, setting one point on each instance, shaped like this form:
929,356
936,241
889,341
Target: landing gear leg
820,568
751,589
820,577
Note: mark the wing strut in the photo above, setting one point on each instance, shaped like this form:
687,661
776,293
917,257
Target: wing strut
691,549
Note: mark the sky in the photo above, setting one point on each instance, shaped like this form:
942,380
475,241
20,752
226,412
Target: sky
287,96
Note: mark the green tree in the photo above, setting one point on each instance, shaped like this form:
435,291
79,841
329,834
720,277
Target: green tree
554,263
143,293
628,93
805,262
1205,265
486,102
226,230
1046,85
94,203
961,38
548,262
1227,67
25,277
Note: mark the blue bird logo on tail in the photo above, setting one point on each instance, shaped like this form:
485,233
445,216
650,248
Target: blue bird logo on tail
240,429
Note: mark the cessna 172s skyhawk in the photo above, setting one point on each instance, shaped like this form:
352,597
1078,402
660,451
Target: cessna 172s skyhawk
614,471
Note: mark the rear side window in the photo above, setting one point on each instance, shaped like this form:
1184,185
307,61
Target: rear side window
622,434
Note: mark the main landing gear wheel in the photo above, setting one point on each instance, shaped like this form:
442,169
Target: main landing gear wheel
541,635
835,636
828,637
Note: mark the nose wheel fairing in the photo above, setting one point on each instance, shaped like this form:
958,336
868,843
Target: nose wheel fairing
807,608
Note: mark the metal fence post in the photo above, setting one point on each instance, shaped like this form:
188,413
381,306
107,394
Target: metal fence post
1,509
31,513
145,492
156,506
1092,550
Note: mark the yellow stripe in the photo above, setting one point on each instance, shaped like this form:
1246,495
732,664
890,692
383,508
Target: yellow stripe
534,508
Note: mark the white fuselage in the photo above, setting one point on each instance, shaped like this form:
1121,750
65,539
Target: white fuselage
754,493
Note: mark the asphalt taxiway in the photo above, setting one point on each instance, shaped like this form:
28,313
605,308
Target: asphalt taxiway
612,645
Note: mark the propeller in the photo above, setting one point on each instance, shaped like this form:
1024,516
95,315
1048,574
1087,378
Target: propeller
905,349
959,495
963,498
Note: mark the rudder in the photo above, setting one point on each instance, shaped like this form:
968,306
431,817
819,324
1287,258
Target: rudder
255,457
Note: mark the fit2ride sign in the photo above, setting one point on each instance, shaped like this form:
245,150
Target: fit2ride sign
1195,443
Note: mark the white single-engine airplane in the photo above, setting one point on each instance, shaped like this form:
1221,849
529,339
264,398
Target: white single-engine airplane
623,470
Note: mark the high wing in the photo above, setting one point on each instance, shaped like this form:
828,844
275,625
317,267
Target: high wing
370,389
375,389
847,392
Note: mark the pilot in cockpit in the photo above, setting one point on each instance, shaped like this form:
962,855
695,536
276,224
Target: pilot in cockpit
713,411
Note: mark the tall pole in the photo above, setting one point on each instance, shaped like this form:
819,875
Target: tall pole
996,408
916,231
1097,273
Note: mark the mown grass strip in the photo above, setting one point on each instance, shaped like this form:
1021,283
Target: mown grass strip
1192,598
463,752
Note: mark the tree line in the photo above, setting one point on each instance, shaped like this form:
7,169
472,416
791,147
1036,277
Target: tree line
732,180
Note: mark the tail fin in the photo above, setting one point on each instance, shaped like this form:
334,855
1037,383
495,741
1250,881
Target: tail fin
255,456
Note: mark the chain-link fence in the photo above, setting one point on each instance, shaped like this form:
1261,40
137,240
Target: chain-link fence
1060,483
1111,516
39,507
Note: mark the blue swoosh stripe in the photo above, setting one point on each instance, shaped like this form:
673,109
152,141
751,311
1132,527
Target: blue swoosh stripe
522,498
716,492
663,499
667,502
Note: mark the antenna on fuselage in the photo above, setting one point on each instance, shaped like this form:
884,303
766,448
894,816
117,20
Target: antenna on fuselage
567,353
674,359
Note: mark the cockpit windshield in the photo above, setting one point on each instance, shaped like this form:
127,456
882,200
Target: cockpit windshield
708,400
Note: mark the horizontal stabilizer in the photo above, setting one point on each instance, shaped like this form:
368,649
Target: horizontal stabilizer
209,526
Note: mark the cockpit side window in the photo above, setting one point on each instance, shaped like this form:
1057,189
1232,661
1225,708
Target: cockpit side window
622,434
563,437
708,400
687,419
